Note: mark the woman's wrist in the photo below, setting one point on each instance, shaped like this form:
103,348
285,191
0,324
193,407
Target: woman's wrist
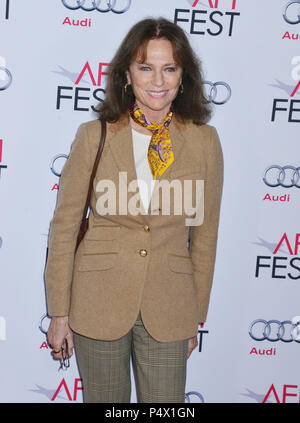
60,318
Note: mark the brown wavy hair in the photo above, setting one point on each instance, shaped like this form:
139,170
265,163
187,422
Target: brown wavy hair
189,105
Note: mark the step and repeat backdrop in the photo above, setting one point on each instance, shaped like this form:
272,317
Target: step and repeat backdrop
54,57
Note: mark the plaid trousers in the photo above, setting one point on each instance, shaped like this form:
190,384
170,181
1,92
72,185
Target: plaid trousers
159,367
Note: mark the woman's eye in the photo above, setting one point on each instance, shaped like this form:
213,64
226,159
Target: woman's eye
171,69
145,68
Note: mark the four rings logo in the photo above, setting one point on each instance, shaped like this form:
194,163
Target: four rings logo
5,78
284,176
114,6
274,330
287,12
217,95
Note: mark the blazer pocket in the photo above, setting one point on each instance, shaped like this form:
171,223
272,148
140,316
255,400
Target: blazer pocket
103,232
90,262
180,264
185,171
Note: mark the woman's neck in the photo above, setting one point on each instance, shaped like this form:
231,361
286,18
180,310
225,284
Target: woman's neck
139,128
153,115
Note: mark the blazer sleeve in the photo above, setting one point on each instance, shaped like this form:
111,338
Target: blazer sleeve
203,238
65,224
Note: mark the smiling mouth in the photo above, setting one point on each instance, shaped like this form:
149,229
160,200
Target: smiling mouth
157,94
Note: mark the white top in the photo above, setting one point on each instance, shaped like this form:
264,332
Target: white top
143,172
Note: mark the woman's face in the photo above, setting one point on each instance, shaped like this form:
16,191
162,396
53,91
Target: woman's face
155,83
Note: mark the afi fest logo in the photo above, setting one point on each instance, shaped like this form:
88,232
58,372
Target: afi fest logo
291,15
102,6
288,107
78,95
283,394
65,391
203,18
283,266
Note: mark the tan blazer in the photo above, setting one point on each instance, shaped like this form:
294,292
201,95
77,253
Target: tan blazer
127,263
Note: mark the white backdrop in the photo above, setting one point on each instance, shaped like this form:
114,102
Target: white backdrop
250,45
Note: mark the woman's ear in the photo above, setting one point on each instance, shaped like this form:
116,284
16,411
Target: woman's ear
127,73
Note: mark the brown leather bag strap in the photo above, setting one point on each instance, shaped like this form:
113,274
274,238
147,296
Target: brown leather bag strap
93,174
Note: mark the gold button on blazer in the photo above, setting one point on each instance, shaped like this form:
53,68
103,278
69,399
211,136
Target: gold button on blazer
131,262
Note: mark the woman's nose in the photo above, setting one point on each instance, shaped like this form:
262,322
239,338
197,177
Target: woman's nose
158,79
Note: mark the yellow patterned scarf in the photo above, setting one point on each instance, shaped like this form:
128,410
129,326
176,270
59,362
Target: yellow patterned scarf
160,152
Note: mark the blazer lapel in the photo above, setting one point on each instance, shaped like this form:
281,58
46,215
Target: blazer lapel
121,146
120,142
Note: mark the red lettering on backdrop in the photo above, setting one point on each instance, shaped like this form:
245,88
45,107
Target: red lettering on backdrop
1,144
277,197
271,390
267,197
286,35
44,345
62,384
83,22
211,5
100,72
284,238
296,89
67,20
216,4
55,186
285,394
88,68
77,388
297,243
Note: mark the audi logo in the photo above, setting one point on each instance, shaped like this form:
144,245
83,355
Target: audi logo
5,78
53,170
90,5
281,177
274,330
193,393
285,11
213,93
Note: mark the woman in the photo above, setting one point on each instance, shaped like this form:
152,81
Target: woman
134,285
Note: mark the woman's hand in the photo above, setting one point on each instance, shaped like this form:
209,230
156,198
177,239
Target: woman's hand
193,342
58,332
